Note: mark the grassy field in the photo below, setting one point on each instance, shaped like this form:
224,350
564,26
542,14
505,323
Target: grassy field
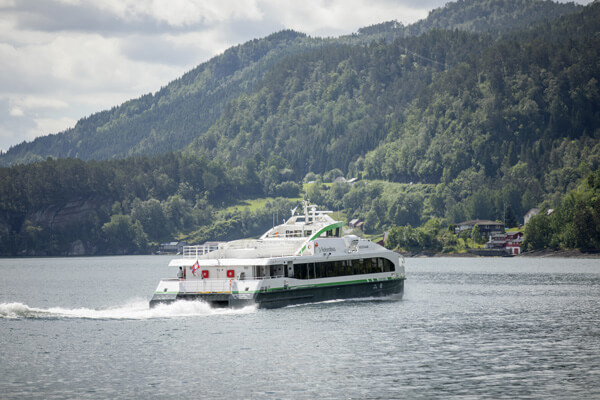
255,204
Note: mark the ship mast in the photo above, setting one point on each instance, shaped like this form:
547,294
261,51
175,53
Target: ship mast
305,205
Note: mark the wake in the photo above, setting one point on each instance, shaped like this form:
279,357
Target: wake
138,310
371,299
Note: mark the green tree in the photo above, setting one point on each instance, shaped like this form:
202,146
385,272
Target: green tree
476,235
123,236
538,232
152,217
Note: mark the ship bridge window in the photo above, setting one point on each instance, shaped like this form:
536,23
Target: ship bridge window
333,233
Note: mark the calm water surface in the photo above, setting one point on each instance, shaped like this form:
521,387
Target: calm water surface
466,328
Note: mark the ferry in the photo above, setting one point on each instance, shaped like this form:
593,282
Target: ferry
306,259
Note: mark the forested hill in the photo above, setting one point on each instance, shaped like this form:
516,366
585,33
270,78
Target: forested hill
186,108
518,121
479,16
324,109
439,128
491,16
446,106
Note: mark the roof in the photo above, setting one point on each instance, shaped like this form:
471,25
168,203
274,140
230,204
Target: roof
512,235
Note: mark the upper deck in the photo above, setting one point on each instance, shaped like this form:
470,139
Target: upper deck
288,239
246,248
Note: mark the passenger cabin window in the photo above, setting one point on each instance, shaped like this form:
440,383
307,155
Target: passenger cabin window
259,271
329,269
276,270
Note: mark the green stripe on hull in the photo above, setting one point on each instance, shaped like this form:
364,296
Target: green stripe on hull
316,285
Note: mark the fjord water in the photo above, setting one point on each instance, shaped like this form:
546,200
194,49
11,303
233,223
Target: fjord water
466,328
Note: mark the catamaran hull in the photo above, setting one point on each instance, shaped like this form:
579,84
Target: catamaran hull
282,298
217,300
286,297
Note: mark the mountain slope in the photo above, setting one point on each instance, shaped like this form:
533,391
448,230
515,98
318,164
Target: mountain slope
476,16
492,16
186,108
323,109
172,117
522,111
518,122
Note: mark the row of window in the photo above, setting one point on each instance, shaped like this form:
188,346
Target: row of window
329,269
297,233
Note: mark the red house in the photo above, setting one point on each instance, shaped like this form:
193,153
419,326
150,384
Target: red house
511,242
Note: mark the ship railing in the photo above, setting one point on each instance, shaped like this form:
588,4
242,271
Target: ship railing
197,251
205,285
265,277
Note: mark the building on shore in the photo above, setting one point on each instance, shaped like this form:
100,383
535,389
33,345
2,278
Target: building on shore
172,247
486,227
509,242
356,224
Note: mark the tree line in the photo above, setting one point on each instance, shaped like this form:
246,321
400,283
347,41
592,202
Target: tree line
128,205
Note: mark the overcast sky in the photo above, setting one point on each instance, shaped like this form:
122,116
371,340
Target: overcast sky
61,60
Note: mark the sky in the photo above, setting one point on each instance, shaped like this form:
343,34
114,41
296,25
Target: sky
62,60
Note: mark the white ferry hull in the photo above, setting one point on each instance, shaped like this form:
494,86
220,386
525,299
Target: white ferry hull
281,297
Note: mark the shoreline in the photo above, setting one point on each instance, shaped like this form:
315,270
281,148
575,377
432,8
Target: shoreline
594,254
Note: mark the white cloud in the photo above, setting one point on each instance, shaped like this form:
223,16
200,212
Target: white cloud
336,17
53,124
30,102
360,13
16,112
177,13
186,12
